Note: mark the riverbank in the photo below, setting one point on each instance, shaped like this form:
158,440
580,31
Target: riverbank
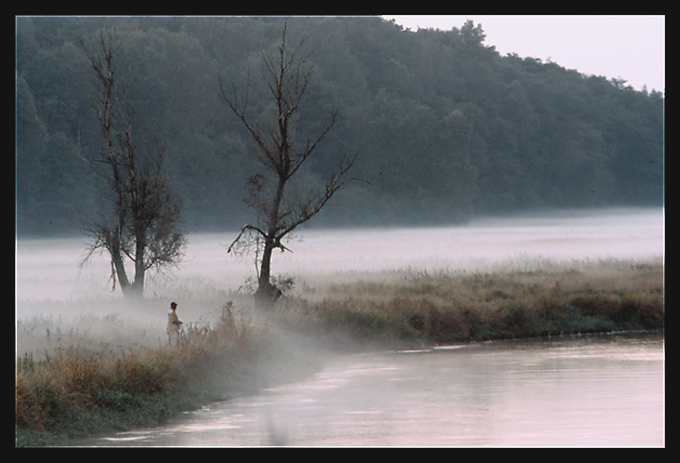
74,390
449,307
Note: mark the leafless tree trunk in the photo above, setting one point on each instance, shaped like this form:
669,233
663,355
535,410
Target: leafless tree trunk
280,211
143,222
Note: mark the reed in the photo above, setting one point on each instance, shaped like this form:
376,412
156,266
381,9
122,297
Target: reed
446,307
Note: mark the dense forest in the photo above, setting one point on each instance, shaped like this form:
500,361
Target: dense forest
443,126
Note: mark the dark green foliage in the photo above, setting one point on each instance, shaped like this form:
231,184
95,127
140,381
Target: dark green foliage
445,127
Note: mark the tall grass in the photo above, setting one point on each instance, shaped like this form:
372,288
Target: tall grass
445,307
71,391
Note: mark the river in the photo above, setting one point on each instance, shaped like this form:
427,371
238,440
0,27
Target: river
600,391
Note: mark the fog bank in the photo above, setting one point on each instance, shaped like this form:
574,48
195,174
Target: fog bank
49,277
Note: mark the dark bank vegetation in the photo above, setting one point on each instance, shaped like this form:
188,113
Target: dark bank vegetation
80,388
445,126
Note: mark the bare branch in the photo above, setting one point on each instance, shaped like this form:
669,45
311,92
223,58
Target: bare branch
144,218
310,147
279,211
244,230
313,205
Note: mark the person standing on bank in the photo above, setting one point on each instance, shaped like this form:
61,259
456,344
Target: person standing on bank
226,311
174,325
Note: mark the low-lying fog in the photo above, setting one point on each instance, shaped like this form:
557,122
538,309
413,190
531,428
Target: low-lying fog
51,282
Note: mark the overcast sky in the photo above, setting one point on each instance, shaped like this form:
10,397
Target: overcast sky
627,47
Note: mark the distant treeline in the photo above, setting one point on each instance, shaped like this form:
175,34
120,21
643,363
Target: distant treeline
444,126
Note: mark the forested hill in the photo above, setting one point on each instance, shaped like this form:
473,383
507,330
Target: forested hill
444,126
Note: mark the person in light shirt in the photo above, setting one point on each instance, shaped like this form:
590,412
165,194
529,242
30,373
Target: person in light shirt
174,325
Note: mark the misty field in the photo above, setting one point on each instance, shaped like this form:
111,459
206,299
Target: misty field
88,361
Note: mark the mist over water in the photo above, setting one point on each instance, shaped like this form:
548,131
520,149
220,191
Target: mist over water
486,389
484,244
50,279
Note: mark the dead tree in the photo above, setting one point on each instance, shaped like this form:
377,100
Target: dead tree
280,209
142,218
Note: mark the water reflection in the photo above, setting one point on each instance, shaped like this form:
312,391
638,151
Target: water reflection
596,391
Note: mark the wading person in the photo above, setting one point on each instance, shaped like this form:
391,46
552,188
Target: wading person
174,325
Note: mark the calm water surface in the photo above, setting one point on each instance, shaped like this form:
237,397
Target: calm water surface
591,391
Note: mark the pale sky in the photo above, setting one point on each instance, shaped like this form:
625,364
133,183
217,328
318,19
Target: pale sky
626,46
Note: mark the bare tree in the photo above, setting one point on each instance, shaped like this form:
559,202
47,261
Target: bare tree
143,220
280,208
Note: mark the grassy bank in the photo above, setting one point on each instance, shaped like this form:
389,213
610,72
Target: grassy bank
74,391
450,307
78,387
